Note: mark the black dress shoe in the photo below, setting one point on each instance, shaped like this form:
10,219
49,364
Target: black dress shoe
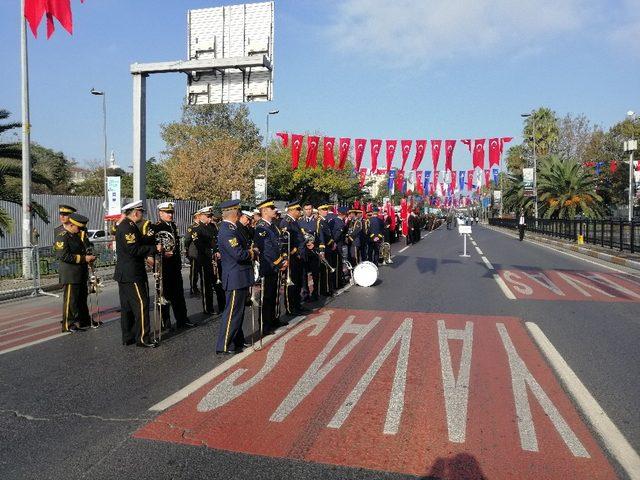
128,342
147,345
303,310
229,352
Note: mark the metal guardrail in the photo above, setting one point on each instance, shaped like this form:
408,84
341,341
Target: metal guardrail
611,233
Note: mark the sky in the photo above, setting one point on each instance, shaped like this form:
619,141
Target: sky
411,69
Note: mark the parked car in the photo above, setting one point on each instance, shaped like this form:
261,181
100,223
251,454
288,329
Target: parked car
96,236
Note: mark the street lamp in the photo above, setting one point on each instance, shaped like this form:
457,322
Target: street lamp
103,94
630,146
535,165
266,152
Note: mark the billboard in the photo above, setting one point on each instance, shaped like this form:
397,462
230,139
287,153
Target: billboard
527,181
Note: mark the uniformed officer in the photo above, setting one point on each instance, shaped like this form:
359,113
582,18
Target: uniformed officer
338,226
73,272
192,254
354,236
64,211
244,225
273,260
132,248
326,250
375,236
311,265
172,287
236,255
296,254
204,236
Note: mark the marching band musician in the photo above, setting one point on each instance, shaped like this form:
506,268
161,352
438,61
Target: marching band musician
326,250
71,250
308,226
354,237
204,236
338,232
375,236
272,261
237,276
192,255
64,211
132,248
292,293
244,225
172,288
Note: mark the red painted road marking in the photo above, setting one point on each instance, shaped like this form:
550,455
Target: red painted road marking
452,396
571,285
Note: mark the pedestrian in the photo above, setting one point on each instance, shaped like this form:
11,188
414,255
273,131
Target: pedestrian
521,225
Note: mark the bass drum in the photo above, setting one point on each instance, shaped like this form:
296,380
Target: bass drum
365,274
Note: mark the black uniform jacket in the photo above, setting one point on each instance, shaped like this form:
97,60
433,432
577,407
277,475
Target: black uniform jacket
71,251
132,248
267,239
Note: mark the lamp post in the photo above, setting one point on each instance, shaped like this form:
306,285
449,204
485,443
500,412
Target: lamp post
535,166
103,94
630,146
266,153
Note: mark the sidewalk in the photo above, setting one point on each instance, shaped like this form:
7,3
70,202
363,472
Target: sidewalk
625,259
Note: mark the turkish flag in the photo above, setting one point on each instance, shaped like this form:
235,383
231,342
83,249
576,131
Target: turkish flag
376,144
487,177
363,177
328,160
406,148
494,152
391,151
469,179
454,181
404,216
504,140
285,138
421,146
467,142
419,185
312,151
449,146
296,147
435,153
360,143
345,143
478,154
34,10
399,180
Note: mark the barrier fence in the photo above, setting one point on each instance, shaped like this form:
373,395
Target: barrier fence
610,233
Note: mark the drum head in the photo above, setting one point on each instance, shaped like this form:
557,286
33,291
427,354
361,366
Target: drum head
365,274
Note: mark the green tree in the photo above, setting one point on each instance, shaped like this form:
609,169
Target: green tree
158,183
546,133
93,185
55,166
516,160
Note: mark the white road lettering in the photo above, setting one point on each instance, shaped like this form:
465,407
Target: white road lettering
541,279
456,392
520,287
521,378
597,278
317,371
578,285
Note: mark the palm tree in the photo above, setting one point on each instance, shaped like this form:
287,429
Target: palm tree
10,168
514,198
566,189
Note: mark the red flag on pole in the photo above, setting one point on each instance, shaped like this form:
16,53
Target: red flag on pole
478,154
312,151
435,153
360,143
454,181
469,180
284,136
419,185
399,180
296,147
375,150
495,149
34,10
363,176
504,140
449,145
345,143
467,142
391,151
404,216
406,148
421,146
487,177
328,160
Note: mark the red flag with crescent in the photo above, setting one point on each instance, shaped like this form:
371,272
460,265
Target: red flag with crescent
467,142
435,153
404,216
494,151
328,160
421,146
399,180
363,176
391,151
487,177
284,136
405,145
345,143
449,145
376,144
34,10
469,179
296,148
504,140
360,143
419,185
312,151
478,154
454,180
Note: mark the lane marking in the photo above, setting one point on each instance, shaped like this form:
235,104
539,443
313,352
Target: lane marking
403,249
35,342
614,441
487,263
503,286
479,251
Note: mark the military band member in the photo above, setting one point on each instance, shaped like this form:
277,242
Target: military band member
237,276
338,232
326,251
172,287
296,253
244,225
354,236
64,211
132,248
192,254
204,237
375,236
71,250
308,225
273,260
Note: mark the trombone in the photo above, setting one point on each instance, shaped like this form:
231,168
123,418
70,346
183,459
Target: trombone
94,286
168,243
255,303
216,270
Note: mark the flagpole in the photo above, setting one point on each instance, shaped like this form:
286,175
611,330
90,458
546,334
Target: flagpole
26,144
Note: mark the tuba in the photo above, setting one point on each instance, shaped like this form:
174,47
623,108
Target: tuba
385,253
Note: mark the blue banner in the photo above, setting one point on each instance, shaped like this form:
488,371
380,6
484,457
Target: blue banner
462,174
392,181
426,181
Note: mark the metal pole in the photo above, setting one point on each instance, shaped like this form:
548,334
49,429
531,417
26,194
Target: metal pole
26,146
631,181
104,131
139,135
535,170
266,161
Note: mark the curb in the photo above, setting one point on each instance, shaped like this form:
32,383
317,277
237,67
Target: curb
625,262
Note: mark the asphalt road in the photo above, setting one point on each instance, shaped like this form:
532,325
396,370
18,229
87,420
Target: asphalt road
69,407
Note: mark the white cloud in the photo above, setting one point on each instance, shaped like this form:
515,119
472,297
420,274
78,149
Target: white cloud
401,33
